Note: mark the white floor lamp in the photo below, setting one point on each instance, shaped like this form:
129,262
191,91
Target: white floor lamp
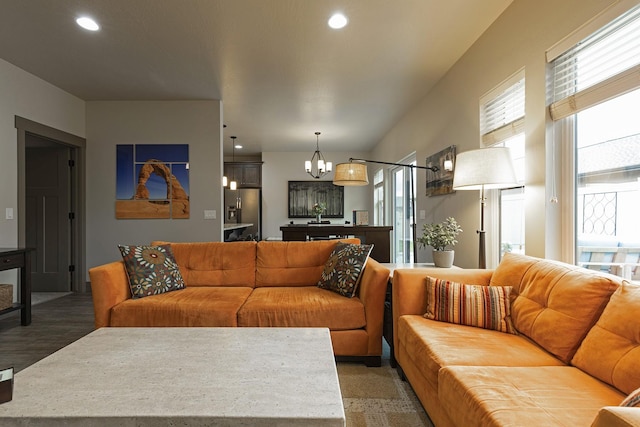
484,169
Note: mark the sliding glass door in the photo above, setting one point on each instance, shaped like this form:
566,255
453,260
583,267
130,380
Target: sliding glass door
402,211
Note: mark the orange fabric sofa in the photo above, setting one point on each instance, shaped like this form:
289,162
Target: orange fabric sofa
575,358
252,284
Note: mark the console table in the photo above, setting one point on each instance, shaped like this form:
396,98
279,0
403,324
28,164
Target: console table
11,258
379,235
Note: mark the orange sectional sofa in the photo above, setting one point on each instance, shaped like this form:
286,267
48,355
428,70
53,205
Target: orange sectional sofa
252,284
575,358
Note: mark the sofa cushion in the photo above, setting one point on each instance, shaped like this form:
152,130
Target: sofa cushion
152,270
192,306
515,396
293,263
307,306
555,304
343,270
432,345
216,263
611,349
485,307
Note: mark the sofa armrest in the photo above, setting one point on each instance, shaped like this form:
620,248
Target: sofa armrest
617,416
109,287
373,288
409,288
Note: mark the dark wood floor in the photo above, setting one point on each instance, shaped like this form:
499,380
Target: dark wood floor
54,325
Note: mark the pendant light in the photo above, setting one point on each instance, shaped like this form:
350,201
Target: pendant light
233,185
317,167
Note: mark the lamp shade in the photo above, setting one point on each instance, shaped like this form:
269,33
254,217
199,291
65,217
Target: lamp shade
351,174
486,168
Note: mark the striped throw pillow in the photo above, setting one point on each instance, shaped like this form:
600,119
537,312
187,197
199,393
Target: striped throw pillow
485,307
633,400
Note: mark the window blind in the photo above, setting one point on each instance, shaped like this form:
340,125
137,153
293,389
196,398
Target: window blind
603,65
378,177
502,116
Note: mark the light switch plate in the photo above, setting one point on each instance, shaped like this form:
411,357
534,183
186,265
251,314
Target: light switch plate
9,213
422,214
210,214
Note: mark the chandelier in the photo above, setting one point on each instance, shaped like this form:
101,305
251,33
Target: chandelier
317,167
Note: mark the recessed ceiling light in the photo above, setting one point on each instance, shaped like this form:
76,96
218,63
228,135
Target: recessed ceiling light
238,146
337,21
88,23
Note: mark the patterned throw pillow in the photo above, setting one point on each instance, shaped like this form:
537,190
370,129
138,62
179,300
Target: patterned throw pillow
343,269
485,307
152,270
633,400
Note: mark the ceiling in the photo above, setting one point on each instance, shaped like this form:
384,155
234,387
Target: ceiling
280,71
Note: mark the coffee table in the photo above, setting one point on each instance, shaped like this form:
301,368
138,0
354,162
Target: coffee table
183,376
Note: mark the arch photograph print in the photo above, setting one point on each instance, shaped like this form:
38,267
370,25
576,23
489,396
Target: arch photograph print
152,181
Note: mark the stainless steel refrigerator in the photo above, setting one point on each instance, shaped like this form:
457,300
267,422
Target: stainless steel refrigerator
243,207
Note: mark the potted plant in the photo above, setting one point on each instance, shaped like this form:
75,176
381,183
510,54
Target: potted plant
439,237
317,210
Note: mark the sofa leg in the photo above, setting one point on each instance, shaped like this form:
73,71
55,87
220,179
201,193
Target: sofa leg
401,374
373,361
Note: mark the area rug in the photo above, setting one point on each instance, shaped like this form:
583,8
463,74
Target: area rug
377,397
372,397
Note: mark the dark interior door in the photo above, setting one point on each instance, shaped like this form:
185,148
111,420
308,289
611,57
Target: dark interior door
47,178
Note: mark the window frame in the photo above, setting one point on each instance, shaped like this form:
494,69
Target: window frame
497,136
563,113
379,212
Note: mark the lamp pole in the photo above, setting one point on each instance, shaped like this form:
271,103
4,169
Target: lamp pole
482,256
413,205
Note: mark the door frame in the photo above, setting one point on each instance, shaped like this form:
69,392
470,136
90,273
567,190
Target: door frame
77,194
409,177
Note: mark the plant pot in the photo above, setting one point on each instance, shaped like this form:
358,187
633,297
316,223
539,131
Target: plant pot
443,259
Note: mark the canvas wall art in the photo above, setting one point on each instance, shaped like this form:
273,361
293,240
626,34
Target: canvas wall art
304,194
441,181
152,181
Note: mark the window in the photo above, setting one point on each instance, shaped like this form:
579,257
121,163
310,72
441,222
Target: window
378,197
502,118
596,97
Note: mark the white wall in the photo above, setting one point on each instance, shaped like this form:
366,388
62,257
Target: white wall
279,168
197,123
449,114
24,95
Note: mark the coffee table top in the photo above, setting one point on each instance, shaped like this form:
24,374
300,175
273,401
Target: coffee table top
184,376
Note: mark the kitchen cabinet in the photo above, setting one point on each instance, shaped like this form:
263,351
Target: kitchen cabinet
246,174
